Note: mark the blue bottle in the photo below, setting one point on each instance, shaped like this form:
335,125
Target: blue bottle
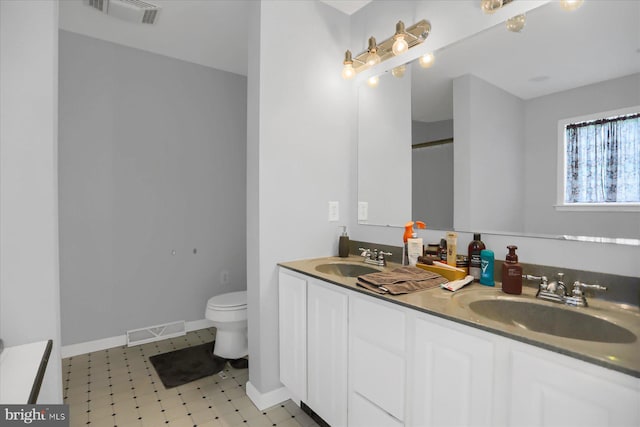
486,265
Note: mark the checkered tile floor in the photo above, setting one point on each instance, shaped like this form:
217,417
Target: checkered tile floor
120,387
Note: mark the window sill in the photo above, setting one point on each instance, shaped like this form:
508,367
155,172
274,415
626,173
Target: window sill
577,207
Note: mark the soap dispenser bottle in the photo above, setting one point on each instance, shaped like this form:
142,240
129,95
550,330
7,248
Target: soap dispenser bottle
512,273
343,243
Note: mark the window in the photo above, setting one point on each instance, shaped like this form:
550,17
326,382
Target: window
599,162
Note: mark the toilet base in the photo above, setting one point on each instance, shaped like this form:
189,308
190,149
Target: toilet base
241,363
231,344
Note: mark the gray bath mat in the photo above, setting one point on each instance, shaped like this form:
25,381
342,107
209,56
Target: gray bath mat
188,364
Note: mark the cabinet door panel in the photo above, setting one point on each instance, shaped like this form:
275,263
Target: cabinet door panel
292,309
453,377
363,413
327,353
378,375
551,392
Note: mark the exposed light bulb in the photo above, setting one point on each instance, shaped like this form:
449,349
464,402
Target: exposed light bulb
399,71
427,60
571,5
400,45
490,6
516,23
373,58
348,71
373,81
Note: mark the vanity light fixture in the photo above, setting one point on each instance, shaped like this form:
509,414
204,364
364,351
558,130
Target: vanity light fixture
402,40
490,6
516,23
570,5
427,60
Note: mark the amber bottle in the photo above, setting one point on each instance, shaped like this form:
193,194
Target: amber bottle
475,247
512,273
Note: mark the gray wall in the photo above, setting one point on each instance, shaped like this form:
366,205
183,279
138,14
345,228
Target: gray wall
541,123
152,159
432,174
488,157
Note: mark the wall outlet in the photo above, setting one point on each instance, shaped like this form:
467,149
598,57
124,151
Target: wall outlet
334,211
363,211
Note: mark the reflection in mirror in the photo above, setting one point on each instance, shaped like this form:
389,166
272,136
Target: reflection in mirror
503,94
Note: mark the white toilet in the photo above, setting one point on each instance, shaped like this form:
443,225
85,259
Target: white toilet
228,312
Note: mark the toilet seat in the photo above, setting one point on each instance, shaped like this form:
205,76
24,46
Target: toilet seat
229,301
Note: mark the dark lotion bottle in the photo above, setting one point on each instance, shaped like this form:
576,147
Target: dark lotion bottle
475,247
512,273
343,244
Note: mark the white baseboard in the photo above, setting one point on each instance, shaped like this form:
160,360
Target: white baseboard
117,341
266,400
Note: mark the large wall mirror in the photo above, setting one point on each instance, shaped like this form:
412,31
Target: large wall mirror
471,143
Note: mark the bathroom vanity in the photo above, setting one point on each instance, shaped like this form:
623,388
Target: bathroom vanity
426,359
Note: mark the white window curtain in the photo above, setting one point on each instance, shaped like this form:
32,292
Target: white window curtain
603,161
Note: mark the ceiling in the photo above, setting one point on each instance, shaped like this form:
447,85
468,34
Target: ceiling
210,24
556,51
207,41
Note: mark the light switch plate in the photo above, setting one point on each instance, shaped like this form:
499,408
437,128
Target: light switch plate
334,211
363,211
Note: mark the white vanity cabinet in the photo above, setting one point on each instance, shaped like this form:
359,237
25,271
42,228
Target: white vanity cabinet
358,360
327,352
313,344
452,375
550,389
292,311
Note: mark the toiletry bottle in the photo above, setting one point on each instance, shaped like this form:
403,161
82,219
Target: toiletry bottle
452,248
414,249
442,251
408,233
512,273
343,243
486,264
475,247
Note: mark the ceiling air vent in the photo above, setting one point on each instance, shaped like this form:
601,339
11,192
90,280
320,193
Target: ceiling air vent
129,10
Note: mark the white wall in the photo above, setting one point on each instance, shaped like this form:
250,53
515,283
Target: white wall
152,160
384,150
300,153
29,285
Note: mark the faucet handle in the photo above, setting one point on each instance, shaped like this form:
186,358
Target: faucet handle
544,282
578,287
364,251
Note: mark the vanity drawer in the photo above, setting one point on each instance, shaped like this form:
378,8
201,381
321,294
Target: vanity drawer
378,324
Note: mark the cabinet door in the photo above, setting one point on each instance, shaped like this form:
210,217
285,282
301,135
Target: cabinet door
292,309
327,353
452,377
377,355
553,390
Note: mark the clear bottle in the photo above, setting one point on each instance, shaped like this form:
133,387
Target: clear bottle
512,273
475,247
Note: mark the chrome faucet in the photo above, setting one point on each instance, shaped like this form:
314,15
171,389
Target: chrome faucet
374,257
556,291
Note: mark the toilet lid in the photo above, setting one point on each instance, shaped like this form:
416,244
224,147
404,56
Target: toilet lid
229,300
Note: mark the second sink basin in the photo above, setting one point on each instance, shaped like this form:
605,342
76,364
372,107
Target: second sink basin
558,321
345,269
